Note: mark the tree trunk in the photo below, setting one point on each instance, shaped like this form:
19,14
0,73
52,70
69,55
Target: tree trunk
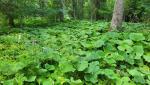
61,12
80,9
42,4
74,6
77,6
92,10
11,21
95,5
117,18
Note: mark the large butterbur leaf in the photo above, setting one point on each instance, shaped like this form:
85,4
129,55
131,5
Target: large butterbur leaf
8,82
136,36
66,67
116,56
99,43
139,51
93,67
49,67
145,69
128,42
91,77
138,76
109,73
47,82
125,47
129,58
147,57
139,79
76,82
135,72
31,78
82,65
123,81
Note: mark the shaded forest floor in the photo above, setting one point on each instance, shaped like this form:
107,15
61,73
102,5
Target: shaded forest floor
76,52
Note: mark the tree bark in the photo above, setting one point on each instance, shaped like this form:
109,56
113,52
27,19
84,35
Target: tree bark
74,6
11,21
95,5
92,10
62,13
77,6
80,8
117,18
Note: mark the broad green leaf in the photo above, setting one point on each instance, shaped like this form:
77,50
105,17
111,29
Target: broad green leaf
49,67
138,76
8,82
139,51
110,47
94,55
42,71
129,58
123,81
93,67
47,82
109,73
148,82
82,65
87,45
137,36
66,67
76,82
31,78
125,47
117,56
149,77
99,43
91,77
139,79
145,69
127,42
135,72
62,80
147,57
110,60
20,78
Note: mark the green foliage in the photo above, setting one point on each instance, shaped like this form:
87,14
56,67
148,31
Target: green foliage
75,53
137,36
136,10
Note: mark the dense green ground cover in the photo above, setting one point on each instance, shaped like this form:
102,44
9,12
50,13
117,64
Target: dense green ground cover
75,53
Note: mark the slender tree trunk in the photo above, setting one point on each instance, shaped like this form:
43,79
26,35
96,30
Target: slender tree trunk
117,18
77,6
11,21
95,5
92,10
42,3
62,10
74,6
80,9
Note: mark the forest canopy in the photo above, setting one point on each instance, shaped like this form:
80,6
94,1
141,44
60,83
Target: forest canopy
14,11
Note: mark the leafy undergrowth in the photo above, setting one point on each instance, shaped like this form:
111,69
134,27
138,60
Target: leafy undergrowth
75,53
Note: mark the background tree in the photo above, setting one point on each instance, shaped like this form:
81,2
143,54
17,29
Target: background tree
117,18
15,8
16,12
94,5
